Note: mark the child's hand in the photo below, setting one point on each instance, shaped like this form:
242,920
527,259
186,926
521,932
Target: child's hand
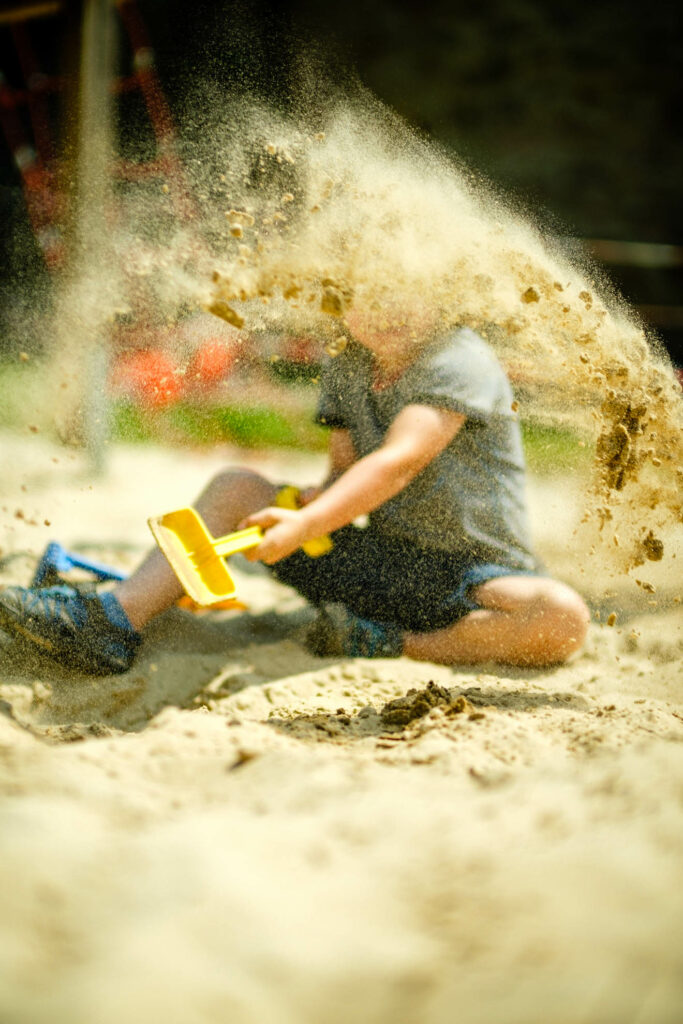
284,532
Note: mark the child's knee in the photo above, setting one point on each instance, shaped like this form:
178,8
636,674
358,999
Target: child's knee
565,619
552,618
233,494
236,480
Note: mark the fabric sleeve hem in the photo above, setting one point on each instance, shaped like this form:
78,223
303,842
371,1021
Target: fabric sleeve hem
454,405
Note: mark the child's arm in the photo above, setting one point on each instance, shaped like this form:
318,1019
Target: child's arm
416,436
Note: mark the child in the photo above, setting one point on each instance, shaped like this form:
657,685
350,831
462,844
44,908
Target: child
424,442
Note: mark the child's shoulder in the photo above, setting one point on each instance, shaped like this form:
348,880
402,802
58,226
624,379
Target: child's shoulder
456,340
461,370
459,350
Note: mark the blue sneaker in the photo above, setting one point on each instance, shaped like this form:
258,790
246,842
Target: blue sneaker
86,631
337,632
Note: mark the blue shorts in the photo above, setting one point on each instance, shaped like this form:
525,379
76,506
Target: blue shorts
390,580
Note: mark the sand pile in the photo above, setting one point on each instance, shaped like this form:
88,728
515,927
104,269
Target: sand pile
237,830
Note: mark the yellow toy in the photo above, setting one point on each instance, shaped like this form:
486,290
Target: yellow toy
197,558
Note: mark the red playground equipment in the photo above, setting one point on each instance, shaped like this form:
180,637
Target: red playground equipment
35,153
145,367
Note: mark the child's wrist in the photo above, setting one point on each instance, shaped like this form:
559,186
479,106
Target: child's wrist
312,523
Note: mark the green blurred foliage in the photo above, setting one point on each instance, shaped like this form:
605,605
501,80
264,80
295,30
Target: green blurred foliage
552,450
25,406
204,424
549,450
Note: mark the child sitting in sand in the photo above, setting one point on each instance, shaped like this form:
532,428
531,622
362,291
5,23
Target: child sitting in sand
424,441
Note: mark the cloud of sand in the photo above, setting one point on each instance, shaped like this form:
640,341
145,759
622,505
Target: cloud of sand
308,218
287,221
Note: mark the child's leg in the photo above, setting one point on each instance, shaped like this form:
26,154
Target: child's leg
95,632
230,496
523,620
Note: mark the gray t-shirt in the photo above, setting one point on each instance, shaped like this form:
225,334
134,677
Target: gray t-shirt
470,499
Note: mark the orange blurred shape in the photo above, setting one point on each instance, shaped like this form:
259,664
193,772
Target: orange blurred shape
230,605
150,376
301,350
212,361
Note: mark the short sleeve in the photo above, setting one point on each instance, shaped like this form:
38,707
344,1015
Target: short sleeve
461,374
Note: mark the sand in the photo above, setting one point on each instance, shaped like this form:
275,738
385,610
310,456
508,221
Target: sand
232,831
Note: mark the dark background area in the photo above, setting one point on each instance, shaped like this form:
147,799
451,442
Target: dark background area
571,107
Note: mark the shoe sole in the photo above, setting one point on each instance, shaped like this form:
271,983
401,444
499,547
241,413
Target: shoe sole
64,658
13,627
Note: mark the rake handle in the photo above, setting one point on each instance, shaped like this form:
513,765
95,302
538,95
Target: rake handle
239,541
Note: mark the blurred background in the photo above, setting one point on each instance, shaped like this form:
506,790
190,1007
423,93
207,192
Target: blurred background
570,108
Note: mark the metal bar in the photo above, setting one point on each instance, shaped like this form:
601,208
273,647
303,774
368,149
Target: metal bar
37,105
158,110
653,255
29,11
159,168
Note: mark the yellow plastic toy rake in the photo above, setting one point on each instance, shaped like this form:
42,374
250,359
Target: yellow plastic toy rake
198,559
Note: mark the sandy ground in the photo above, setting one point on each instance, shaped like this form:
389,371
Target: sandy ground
240,834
